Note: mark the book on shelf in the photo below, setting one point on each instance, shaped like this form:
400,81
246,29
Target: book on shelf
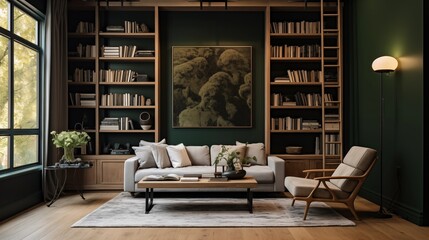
167,177
317,146
85,27
335,126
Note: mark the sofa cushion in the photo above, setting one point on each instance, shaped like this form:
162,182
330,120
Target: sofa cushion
216,149
199,155
145,156
160,155
255,150
262,174
178,156
140,173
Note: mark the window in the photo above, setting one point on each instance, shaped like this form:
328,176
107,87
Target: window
20,86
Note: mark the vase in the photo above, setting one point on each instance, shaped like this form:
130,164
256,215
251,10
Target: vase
68,155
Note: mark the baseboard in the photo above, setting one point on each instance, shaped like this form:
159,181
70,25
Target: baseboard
408,213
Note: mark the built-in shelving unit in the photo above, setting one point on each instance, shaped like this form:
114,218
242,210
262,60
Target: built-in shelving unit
304,84
303,79
92,26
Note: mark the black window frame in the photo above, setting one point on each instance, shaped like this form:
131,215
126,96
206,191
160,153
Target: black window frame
39,47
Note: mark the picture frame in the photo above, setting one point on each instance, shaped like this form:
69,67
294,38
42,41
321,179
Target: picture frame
212,86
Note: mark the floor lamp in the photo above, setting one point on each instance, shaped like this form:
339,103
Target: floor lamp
383,64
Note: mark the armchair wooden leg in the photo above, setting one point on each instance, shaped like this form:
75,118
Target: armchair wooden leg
307,207
351,206
293,202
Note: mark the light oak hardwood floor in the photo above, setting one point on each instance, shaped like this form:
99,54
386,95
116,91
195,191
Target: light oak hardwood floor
41,222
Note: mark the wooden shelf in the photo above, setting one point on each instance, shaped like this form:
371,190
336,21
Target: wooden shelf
127,107
297,59
296,107
126,35
81,35
128,59
297,131
127,131
296,83
127,83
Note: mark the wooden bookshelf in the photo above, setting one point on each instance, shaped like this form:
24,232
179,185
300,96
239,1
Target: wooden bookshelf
96,16
290,26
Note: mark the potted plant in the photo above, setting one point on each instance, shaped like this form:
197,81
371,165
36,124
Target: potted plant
234,169
69,140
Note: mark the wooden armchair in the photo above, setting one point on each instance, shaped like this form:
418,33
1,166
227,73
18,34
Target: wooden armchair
344,184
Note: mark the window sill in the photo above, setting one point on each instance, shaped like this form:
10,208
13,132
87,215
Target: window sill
19,172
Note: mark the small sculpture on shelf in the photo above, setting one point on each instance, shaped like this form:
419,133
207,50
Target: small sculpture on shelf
145,120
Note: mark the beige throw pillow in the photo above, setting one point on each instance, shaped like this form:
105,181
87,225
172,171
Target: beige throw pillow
178,156
199,155
255,149
160,155
215,150
145,156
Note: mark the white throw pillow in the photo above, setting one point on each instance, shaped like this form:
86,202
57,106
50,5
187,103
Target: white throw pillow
199,155
145,156
160,155
178,156
215,150
255,150
146,143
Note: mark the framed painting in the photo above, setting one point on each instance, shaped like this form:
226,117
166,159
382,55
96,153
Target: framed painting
212,86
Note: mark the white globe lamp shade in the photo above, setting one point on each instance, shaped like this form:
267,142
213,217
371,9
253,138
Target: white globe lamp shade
384,64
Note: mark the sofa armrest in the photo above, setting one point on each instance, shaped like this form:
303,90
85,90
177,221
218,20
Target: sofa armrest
130,167
278,166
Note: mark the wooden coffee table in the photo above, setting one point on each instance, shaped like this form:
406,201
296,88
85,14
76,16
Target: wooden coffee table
245,183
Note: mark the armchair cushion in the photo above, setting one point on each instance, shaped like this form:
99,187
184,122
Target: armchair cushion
355,163
302,187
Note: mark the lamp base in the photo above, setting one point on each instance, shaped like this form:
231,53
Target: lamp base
383,213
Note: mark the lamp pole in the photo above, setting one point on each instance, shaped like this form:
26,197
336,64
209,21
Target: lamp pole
382,213
383,64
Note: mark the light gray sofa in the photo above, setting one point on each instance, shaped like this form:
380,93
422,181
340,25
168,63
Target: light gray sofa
269,174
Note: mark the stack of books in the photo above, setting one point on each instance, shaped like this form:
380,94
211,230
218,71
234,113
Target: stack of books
144,53
115,29
82,99
119,51
110,123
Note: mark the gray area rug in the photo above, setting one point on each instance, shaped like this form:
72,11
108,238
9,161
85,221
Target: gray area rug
126,211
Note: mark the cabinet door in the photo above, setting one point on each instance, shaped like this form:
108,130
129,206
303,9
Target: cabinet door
90,175
110,173
295,167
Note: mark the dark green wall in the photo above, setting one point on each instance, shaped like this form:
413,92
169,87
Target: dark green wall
222,28
390,27
19,192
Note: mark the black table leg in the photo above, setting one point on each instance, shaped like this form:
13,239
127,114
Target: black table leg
149,200
59,187
250,200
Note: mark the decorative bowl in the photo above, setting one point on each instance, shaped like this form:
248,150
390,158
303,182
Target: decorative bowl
234,174
146,127
293,150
